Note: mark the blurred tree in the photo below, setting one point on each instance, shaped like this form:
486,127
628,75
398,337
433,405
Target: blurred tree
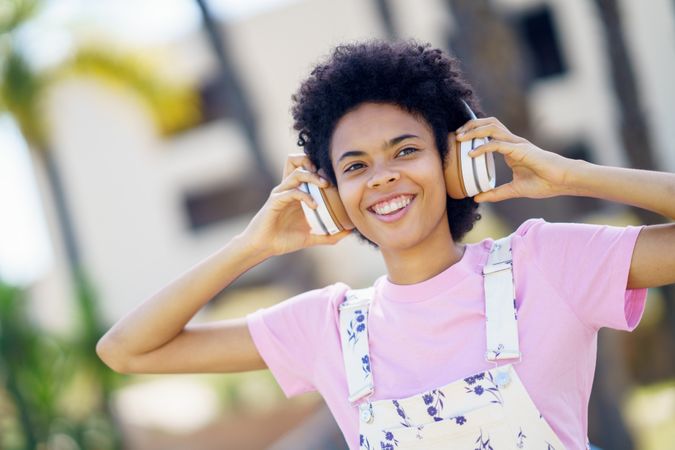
293,269
53,385
30,362
232,89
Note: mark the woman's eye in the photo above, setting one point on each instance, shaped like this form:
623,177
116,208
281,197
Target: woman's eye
407,151
352,167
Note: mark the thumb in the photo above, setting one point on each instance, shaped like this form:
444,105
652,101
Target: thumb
329,239
503,192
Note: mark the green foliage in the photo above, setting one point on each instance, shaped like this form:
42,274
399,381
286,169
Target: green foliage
20,91
15,12
57,387
174,107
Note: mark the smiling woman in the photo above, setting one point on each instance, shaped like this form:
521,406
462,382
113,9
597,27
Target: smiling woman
462,346
393,188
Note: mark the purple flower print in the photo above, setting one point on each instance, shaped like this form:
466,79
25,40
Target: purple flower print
499,350
493,390
363,443
460,420
386,446
488,385
483,444
356,326
399,410
365,365
389,436
520,439
434,400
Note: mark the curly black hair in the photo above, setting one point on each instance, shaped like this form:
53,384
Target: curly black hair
414,76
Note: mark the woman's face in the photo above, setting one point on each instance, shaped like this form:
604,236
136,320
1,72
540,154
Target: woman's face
389,175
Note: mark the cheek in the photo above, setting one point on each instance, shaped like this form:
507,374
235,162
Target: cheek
349,194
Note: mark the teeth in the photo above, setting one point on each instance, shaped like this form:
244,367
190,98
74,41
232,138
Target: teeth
392,205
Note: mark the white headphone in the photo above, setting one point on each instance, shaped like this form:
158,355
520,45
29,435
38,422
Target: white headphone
477,173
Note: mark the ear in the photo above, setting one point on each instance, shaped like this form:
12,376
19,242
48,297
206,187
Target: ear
453,170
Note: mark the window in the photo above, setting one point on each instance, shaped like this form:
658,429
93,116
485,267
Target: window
537,30
214,101
225,201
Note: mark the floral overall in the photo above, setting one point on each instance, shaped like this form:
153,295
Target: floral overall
488,410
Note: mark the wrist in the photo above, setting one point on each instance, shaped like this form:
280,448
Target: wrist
576,171
250,248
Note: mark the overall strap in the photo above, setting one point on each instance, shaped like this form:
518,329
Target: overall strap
501,321
354,337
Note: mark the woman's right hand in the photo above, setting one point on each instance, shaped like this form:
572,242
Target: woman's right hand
280,226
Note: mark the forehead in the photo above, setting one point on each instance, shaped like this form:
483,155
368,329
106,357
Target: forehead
372,124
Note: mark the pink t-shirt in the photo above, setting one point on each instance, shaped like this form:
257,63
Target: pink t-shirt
570,281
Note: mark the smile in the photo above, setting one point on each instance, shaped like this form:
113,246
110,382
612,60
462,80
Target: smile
392,205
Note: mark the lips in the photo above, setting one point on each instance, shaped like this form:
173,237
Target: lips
391,204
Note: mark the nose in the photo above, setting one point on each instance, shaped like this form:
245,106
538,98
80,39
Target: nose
382,177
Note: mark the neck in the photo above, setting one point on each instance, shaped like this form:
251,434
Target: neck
423,261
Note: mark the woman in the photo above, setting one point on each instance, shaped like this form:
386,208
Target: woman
380,120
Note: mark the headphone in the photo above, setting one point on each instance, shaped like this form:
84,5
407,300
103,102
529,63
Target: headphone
465,176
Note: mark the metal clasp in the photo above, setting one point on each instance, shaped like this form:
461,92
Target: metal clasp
492,268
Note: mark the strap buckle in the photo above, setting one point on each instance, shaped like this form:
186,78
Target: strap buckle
498,267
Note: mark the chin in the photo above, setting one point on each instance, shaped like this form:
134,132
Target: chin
397,242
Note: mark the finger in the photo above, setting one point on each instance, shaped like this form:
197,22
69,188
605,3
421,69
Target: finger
298,176
283,199
475,123
505,148
490,130
329,239
503,192
295,160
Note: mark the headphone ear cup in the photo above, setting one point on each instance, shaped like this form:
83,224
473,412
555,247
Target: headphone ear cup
336,209
454,182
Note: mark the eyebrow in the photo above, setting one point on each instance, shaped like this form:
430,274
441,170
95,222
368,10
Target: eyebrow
392,142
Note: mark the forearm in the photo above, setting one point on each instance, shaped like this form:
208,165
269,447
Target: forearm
164,315
650,190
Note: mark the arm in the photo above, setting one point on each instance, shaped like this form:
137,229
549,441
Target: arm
539,174
653,262
155,337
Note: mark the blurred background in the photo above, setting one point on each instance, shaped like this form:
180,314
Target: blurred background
137,137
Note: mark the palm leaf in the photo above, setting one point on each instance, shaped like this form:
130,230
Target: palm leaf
15,12
174,107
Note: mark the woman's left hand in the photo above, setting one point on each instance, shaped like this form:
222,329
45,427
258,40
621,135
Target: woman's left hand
537,173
